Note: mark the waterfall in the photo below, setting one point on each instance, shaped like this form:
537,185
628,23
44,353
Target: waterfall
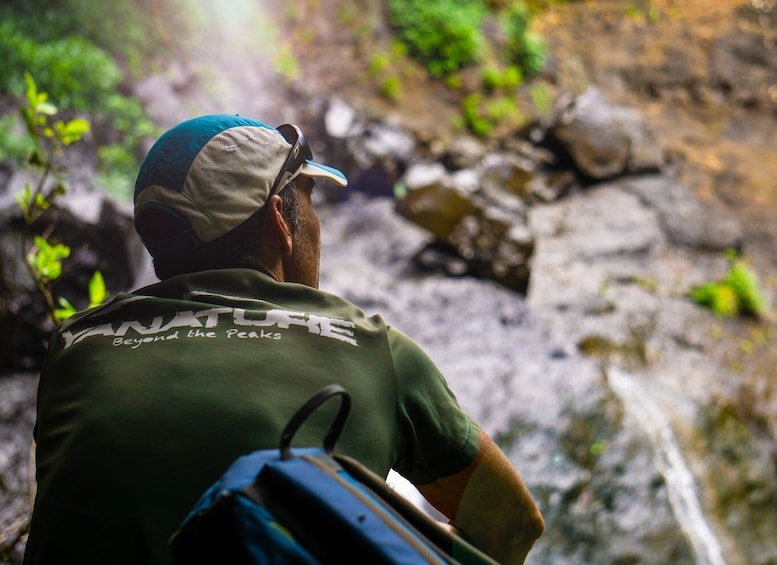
680,483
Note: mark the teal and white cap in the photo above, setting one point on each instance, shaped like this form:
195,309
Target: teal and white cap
214,172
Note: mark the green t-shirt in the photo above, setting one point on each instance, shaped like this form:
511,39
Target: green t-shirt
146,400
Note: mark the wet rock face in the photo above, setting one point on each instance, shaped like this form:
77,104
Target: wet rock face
601,483
583,456
17,417
606,256
611,271
686,221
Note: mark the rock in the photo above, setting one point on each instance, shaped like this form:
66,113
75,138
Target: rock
161,93
340,119
373,154
479,213
506,174
17,418
439,257
605,140
463,153
432,201
547,186
384,143
685,220
610,272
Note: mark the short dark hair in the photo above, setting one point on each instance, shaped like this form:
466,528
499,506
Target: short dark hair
235,249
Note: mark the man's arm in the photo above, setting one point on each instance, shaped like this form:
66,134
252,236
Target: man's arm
489,502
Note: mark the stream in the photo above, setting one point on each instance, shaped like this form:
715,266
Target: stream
680,483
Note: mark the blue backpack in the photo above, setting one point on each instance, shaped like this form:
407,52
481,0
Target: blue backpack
312,506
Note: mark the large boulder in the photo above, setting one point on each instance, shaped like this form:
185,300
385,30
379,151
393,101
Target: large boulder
605,140
479,213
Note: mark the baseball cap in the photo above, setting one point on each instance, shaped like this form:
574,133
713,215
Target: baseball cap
211,173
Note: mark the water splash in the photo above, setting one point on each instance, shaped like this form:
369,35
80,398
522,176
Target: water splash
680,483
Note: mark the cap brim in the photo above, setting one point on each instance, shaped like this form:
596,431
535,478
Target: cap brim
313,169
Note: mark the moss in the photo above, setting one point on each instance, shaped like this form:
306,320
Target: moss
738,293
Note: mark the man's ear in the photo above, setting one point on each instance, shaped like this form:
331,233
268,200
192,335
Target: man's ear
277,231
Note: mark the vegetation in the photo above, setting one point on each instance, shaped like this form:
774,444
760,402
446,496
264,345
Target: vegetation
383,69
43,258
494,37
443,39
738,293
80,73
134,32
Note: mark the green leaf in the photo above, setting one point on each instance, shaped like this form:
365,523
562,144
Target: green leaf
22,204
23,198
97,291
65,311
719,297
29,119
745,285
31,92
41,202
47,108
47,260
71,131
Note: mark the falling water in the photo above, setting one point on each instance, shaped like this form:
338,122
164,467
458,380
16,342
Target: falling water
680,483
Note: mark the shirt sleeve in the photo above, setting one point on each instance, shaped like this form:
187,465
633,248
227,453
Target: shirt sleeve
438,438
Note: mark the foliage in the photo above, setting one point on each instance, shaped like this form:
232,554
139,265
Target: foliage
490,36
651,14
49,137
495,78
138,32
391,87
480,113
474,118
738,293
541,98
286,64
521,45
80,75
76,72
446,38
384,68
539,5
443,38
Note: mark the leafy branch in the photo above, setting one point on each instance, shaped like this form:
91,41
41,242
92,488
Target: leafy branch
43,258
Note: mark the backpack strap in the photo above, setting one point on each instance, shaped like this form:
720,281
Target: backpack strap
307,409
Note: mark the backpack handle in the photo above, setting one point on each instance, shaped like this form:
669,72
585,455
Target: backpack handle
307,409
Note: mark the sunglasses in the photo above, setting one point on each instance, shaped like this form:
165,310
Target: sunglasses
300,152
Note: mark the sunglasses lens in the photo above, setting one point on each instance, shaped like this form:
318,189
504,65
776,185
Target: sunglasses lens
290,132
300,151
